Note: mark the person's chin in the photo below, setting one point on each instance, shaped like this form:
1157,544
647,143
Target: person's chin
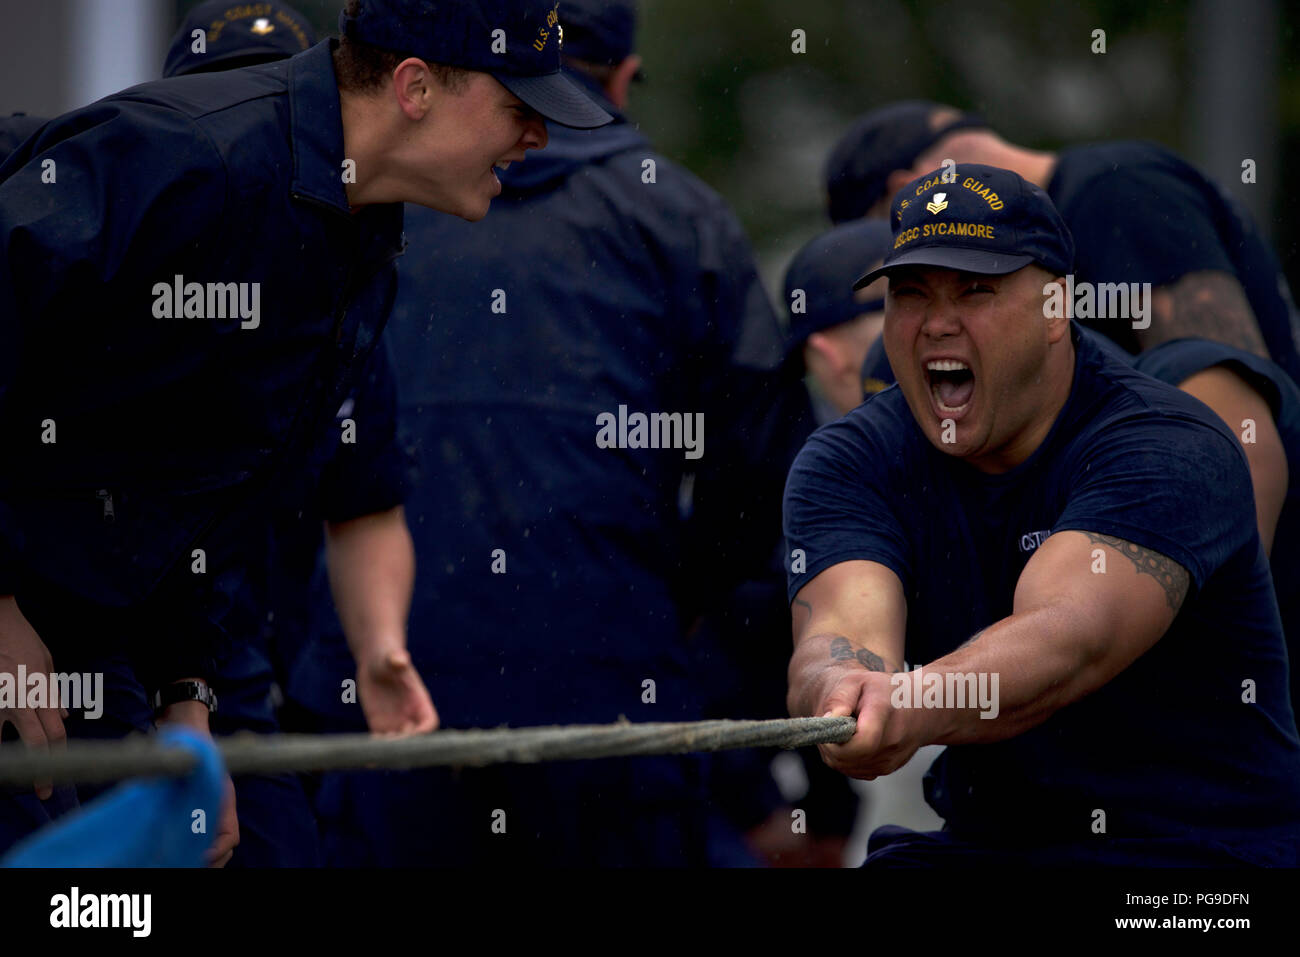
477,203
474,207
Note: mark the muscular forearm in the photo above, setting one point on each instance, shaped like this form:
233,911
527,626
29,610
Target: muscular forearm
1032,664
849,621
372,572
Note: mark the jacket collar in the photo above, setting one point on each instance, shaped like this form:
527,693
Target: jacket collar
316,127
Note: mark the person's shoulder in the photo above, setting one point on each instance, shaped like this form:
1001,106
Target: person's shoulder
1124,398
1178,359
879,433
675,188
138,142
181,107
1091,165
203,124
200,95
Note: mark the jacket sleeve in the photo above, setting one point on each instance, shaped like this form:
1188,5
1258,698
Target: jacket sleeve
369,475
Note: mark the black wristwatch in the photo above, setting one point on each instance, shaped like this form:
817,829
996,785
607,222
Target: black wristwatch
179,691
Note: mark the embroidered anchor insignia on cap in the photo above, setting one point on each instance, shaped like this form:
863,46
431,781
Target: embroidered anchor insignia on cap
939,203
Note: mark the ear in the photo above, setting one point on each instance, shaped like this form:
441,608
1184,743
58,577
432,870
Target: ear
619,81
827,351
1057,326
414,86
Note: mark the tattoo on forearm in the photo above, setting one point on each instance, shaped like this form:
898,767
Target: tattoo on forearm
1172,576
842,650
1210,304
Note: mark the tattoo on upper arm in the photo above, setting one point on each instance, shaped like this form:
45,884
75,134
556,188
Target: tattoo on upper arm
842,650
1210,304
804,604
1173,578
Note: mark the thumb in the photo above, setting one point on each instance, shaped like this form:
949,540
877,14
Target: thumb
842,700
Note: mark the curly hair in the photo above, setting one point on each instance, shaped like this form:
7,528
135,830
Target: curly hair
361,67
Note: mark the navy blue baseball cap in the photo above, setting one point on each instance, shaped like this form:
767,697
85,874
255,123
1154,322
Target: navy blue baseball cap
599,31
518,42
238,34
977,219
882,141
825,270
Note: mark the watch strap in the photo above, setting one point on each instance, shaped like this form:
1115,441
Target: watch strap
179,691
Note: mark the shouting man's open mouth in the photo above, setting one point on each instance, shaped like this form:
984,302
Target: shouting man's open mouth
952,386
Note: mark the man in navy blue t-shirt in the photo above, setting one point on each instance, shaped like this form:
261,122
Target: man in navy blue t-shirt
1064,547
1255,398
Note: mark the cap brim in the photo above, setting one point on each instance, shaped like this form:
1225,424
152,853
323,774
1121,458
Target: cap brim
982,261
557,98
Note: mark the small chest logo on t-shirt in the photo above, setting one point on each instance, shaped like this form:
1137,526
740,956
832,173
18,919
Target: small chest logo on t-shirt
1031,540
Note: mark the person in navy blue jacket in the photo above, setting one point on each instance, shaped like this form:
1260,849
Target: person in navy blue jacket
567,553
193,273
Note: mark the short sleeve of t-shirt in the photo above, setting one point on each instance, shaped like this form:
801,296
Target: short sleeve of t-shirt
842,500
1136,217
1168,483
1175,362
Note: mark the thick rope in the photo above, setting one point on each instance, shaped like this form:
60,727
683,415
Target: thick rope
96,762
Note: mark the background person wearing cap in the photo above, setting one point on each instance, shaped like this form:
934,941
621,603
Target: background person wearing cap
1017,508
833,324
1138,212
234,35
558,575
142,448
